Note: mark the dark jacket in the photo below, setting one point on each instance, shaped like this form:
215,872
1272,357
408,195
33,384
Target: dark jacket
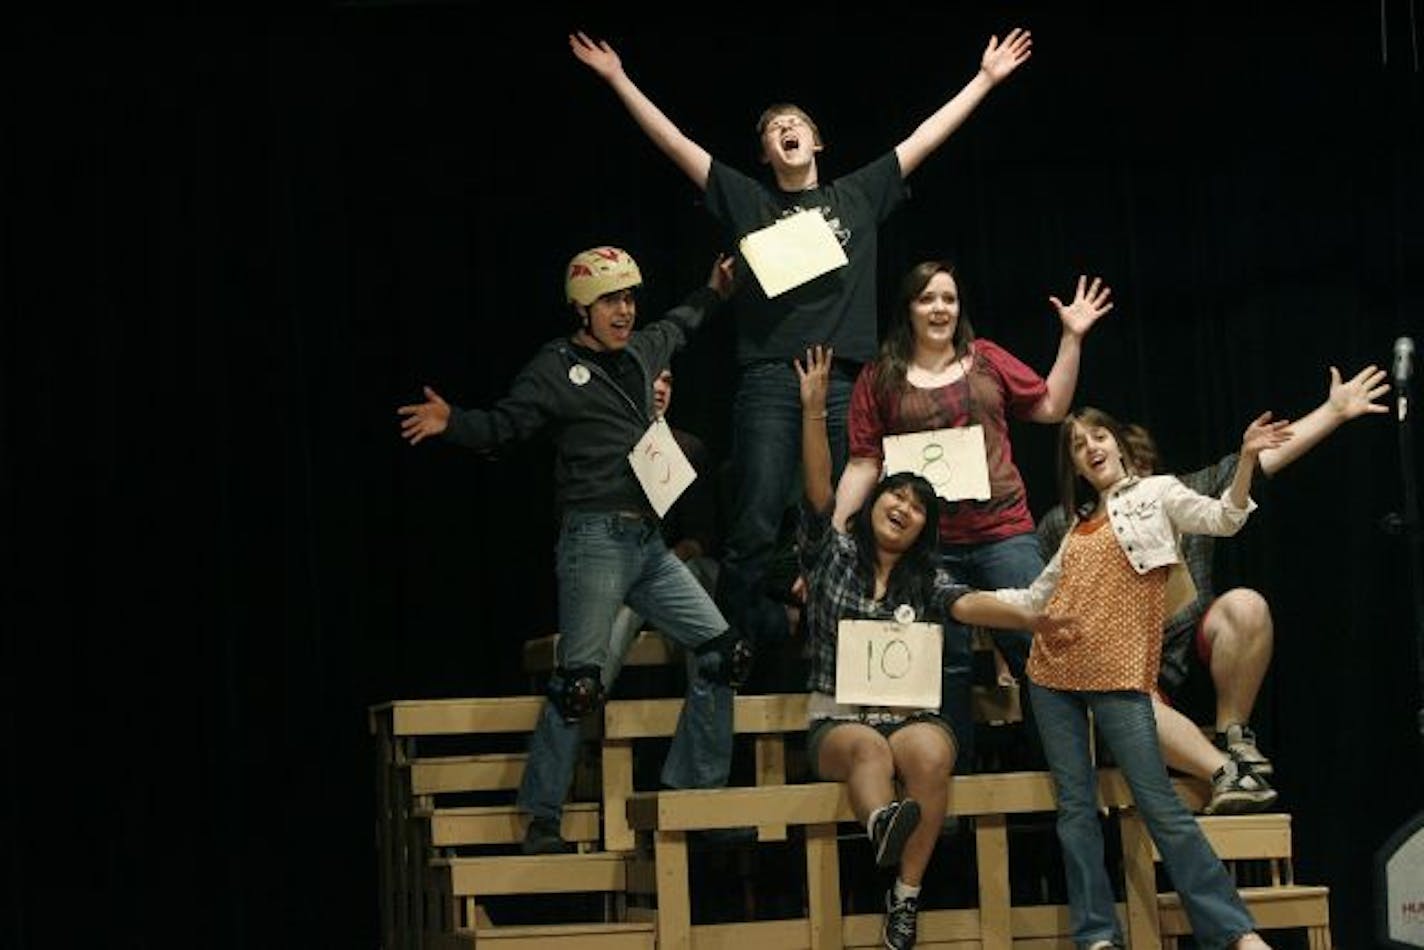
592,422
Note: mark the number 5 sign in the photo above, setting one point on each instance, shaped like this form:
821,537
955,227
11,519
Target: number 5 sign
884,663
662,469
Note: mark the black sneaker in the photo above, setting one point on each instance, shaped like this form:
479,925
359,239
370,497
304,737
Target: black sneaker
542,837
1236,791
1239,742
901,921
892,827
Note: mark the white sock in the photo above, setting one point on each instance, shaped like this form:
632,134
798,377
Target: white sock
870,820
904,891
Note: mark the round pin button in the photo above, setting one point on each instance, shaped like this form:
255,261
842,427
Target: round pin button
578,374
905,614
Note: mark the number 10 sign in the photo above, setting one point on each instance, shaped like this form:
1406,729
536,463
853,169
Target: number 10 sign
885,663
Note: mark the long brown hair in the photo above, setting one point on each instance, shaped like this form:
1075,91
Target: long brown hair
1068,477
898,348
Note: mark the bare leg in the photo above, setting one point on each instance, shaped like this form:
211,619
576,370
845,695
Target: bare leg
1184,747
1238,627
924,759
859,756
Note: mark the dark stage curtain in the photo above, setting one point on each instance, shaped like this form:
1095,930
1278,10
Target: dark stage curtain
232,245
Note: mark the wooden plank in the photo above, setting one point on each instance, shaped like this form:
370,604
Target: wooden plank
617,789
533,874
674,901
771,770
1274,908
432,717
791,934
1245,837
1140,878
467,773
649,648
991,847
620,936
657,718
818,802
935,927
823,886
506,824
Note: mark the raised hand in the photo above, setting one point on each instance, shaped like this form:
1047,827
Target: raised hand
424,419
815,376
1089,303
724,272
1265,433
596,55
1000,59
1357,397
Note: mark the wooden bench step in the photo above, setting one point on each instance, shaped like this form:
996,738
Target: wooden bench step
467,773
1275,908
505,824
596,871
1244,837
999,793
436,717
635,935
649,648
654,718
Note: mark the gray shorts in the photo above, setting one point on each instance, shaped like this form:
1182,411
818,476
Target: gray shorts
820,728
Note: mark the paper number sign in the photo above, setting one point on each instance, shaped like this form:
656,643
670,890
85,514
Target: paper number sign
884,663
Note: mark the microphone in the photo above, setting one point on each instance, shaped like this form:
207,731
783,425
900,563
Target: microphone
1402,369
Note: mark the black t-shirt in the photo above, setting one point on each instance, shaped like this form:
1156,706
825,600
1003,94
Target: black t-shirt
620,367
838,308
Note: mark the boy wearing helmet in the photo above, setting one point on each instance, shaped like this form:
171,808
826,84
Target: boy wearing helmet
594,391
837,309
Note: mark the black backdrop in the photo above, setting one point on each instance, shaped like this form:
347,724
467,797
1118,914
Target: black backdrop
233,244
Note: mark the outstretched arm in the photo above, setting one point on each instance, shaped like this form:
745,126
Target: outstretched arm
858,478
1346,401
692,158
1089,304
815,450
998,61
1262,434
982,609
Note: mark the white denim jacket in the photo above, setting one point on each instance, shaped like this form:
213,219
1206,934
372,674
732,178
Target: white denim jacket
1148,516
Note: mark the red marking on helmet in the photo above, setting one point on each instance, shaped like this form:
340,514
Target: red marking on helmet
580,270
607,253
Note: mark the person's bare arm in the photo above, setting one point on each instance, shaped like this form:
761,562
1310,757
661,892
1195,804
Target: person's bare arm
1089,304
815,449
858,479
1345,401
998,61
693,159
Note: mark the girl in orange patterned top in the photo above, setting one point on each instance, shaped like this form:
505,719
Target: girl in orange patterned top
1116,576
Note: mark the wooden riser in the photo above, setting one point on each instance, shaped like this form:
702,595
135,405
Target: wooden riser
1274,908
633,936
467,773
505,824
533,874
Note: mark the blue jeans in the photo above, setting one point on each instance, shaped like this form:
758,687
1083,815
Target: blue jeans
1010,562
1125,721
766,458
628,624
603,561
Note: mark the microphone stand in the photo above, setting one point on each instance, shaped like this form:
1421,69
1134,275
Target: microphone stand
1410,524
1396,884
